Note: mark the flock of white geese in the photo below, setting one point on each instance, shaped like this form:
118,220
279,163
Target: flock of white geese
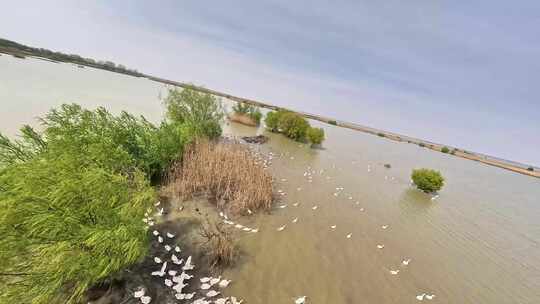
266,161
175,276
174,271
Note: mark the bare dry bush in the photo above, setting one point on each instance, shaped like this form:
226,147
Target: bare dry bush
219,245
227,173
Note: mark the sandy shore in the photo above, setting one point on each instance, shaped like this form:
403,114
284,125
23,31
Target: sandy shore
243,119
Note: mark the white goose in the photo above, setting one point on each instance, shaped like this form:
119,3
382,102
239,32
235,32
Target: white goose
281,228
224,283
295,220
188,265
185,276
179,286
235,301
188,296
205,279
212,293
214,281
205,286
406,262
175,260
139,293
160,273
300,300
221,301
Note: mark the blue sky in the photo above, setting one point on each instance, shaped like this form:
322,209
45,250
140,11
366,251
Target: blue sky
465,73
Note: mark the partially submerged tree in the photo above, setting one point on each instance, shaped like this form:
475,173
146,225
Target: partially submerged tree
293,126
272,120
427,180
202,112
315,135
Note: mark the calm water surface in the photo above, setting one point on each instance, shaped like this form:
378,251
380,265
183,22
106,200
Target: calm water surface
477,243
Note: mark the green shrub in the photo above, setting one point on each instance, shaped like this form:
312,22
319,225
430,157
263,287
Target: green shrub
30,145
66,224
530,169
445,150
72,199
272,120
242,108
293,126
421,145
202,112
116,142
381,134
315,135
333,122
387,166
427,180
256,116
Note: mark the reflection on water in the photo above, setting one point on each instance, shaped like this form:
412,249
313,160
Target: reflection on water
477,243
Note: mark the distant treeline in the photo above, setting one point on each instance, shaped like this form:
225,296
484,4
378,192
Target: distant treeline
21,50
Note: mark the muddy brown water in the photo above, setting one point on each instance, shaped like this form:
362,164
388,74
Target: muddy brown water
478,242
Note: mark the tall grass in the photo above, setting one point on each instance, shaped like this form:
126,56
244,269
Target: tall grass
227,173
219,245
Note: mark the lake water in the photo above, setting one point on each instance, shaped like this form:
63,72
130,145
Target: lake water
478,242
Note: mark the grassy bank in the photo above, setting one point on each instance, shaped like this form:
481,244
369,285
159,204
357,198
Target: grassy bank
77,197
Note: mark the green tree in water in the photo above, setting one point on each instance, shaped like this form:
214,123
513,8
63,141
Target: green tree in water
315,135
202,112
427,180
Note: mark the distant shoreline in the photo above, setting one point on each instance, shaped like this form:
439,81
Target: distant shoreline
357,127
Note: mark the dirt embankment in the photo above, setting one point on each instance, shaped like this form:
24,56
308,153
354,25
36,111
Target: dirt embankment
243,119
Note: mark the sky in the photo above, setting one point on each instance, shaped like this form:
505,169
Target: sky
462,73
